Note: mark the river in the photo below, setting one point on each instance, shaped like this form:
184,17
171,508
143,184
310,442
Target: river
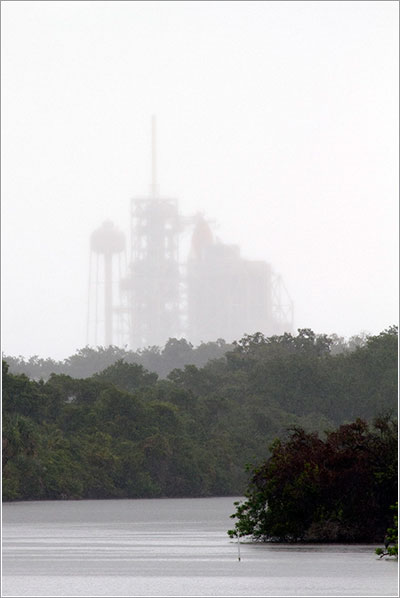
170,547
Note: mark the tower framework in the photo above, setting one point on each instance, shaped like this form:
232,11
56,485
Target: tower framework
153,282
154,278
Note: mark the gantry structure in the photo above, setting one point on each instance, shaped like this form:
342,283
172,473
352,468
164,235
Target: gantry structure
215,293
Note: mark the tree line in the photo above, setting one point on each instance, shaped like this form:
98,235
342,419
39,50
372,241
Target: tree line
126,431
176,354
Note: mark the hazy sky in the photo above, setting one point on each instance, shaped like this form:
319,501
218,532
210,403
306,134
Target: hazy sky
278,120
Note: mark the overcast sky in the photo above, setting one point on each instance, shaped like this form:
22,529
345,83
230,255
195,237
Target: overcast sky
278,120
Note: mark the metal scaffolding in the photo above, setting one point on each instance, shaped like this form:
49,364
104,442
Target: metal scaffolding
153,282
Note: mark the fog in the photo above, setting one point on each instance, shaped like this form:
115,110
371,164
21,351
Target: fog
277,120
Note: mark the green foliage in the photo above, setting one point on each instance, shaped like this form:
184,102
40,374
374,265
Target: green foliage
103,425
128,376
392,537
337,490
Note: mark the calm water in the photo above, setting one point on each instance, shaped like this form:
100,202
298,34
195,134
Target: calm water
170,547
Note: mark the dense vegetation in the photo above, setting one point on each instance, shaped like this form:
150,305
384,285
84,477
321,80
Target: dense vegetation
124,432
340,489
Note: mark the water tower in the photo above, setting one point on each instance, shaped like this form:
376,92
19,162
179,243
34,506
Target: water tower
106,243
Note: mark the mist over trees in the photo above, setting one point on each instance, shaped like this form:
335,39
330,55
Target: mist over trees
177,353
124,430
88,361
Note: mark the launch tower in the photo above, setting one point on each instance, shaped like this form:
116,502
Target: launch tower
153,282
